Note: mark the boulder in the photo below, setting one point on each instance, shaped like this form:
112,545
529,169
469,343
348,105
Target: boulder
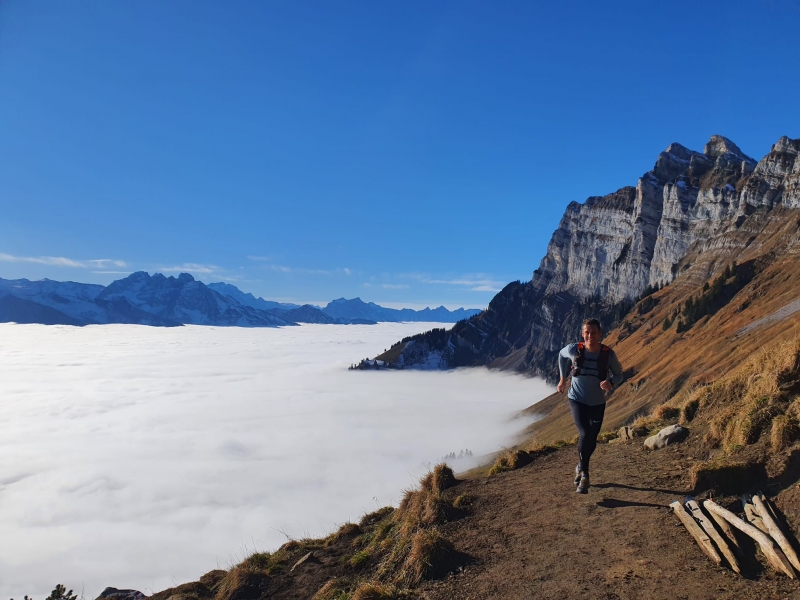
628,433
111,593
669,435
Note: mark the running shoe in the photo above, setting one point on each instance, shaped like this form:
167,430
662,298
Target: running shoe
577,473
583,484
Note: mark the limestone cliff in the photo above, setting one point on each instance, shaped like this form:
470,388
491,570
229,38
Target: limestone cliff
610,249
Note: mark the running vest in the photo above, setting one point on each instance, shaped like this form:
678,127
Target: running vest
602,362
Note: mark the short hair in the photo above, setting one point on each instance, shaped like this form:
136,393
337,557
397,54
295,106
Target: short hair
592,323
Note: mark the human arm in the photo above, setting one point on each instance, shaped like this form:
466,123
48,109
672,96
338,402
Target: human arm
615,376
564,366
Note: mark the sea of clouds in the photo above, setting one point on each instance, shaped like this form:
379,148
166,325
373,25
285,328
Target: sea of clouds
142,457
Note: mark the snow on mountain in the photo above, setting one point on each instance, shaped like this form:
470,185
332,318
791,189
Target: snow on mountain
247,299
184,300
358,309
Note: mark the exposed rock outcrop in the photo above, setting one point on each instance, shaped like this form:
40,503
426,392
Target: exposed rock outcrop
609,250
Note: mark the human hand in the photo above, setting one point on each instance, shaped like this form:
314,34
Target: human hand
562,385
606,386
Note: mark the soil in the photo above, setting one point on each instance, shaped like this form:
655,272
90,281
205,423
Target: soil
529,535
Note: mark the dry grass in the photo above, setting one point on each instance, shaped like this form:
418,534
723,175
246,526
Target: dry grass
237,579
784,432
377,591
347,530
396,540
430,553
515,458
335,589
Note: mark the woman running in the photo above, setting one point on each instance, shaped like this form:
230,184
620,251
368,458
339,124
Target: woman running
595,371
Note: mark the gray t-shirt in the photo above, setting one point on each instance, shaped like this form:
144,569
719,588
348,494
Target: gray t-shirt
586,388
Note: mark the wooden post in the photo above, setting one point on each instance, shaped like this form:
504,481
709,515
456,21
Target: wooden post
729,533
776,532
773,554
708,526
698,534
751,514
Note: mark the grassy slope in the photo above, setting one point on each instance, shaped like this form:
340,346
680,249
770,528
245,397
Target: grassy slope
666,363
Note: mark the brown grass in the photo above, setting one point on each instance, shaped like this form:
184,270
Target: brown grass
430,553
335,589
515,458
377,591
236,580
784,432
439,479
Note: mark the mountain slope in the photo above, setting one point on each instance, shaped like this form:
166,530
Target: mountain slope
609,251
356,308
247,299
185,300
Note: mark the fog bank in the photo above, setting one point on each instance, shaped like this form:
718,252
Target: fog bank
144,457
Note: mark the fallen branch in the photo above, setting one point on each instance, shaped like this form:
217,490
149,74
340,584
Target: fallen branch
776,532
773,554
708,526
697,533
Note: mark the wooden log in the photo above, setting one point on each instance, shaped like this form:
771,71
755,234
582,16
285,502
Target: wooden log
776,532
729,533
773,554
771,507
708,526
750,513
697,533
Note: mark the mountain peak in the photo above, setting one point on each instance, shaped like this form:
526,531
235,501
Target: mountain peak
185,277
719,146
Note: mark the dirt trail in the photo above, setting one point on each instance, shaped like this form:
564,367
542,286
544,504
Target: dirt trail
531,536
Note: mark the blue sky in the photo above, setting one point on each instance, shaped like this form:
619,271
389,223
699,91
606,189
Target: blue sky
414,153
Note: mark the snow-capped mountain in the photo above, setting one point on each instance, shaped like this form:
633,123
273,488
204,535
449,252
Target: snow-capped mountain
185,300
247,299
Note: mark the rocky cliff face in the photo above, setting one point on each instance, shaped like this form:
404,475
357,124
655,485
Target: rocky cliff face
607,251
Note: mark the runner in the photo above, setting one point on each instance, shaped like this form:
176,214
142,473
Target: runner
595,371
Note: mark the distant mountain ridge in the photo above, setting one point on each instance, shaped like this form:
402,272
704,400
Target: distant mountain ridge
357,308
161,301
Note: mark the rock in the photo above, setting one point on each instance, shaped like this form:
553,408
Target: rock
628,433
306,558
115,594
669,435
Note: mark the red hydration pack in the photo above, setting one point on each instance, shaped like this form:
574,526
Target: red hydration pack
602,362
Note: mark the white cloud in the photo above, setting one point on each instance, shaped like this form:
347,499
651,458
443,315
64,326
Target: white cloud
261,258
154,455
61,261
191,268
476,283
55,261
104,263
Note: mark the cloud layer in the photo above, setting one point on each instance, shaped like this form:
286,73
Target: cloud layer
144,457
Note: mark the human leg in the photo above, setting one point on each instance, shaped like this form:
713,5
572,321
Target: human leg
588,420
594,424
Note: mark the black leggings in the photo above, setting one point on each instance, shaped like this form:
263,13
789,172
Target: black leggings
588,420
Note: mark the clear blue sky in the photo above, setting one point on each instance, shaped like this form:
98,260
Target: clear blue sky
406,152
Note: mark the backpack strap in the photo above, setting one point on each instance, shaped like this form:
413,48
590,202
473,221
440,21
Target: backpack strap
577,363
603,358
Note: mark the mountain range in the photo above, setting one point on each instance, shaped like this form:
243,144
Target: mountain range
158,300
